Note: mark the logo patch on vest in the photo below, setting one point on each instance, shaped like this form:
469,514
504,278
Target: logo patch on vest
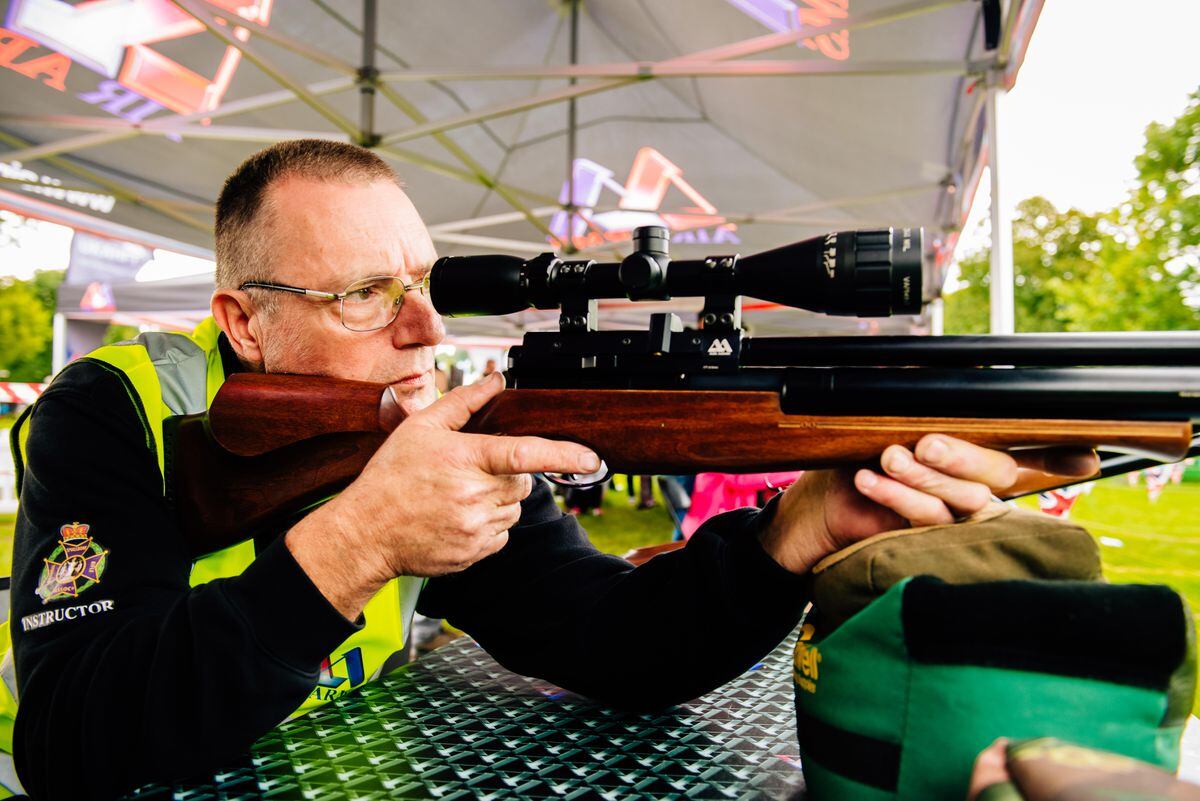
74,565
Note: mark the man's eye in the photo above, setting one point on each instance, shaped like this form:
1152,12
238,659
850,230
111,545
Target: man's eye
364,293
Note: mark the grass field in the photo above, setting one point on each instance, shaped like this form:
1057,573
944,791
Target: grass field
1159,543
623,527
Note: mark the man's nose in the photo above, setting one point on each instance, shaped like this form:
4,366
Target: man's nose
418,323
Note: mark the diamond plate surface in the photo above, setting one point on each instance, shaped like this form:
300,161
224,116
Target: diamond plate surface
456,725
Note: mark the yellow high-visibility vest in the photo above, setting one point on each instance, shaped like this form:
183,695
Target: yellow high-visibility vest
167,375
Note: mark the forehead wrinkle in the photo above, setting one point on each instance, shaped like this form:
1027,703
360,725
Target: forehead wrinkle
368,239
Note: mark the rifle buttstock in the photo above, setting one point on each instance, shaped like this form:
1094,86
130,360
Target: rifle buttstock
258,413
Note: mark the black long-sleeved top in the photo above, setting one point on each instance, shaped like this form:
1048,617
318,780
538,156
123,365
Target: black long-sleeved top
155,679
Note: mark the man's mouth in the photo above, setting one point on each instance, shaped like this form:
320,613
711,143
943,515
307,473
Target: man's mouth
414,379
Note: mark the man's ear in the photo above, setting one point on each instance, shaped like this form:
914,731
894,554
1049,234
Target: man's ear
236,316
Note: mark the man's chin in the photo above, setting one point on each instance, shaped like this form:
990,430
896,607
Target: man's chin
413,399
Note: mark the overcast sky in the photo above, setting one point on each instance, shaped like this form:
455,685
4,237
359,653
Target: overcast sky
1097,72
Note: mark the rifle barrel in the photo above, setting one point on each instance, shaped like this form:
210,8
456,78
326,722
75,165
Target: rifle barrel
1094,393
1021,350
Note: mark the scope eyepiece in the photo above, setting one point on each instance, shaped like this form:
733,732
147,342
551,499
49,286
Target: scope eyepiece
864,273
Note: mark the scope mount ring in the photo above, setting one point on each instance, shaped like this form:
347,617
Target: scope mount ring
580,480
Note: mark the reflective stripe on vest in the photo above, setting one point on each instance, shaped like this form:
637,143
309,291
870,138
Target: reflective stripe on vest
175,374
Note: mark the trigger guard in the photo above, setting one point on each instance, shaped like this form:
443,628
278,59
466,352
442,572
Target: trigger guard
578,480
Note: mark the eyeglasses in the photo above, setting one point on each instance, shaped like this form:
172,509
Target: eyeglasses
367,304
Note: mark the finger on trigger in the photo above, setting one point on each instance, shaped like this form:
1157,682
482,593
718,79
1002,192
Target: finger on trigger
515,455
919,508
960,459
963,497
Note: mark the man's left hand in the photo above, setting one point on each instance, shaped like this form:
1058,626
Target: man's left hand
945,479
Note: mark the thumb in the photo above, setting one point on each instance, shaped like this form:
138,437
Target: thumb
452,411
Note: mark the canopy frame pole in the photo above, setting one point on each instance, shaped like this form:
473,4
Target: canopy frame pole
58,346
474,172
490,220
47,149
491,242
459,173
118,190
790,216
856,200
643,70
284,41
369,81
368,76
1002,276
746,47
572,133
122,129
168,127
252,55
172,125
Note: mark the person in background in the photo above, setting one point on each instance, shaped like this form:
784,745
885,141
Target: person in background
644,498
715,493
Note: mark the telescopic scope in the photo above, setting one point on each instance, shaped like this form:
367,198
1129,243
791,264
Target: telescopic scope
865,273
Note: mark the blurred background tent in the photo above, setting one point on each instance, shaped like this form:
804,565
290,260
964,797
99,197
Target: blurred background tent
741,124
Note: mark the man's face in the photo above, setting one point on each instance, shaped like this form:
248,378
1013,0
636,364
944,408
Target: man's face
325,236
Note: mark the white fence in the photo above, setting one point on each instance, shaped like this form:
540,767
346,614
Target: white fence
8,477
18,394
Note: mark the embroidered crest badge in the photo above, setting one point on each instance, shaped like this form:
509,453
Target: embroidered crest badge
75,565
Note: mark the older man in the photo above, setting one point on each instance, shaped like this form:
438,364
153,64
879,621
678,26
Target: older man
134,663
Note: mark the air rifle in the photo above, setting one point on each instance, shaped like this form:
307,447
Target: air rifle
676,400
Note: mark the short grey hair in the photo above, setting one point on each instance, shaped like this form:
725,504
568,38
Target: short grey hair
242,248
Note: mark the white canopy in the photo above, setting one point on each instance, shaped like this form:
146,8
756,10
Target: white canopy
742,124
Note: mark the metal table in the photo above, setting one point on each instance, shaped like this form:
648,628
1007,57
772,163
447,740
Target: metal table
456,725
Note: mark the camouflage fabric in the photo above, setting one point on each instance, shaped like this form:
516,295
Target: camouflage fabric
1051,770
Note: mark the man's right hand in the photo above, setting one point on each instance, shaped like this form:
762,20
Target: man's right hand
431,501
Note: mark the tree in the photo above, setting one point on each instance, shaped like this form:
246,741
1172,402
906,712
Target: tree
1050,250
26,327
25,332
1135,267
1165,207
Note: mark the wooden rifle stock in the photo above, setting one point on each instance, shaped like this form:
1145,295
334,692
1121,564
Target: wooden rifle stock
271,446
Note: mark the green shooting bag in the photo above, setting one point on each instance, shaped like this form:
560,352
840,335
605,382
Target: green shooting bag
905,680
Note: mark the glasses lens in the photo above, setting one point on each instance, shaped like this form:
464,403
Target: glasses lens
372,303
